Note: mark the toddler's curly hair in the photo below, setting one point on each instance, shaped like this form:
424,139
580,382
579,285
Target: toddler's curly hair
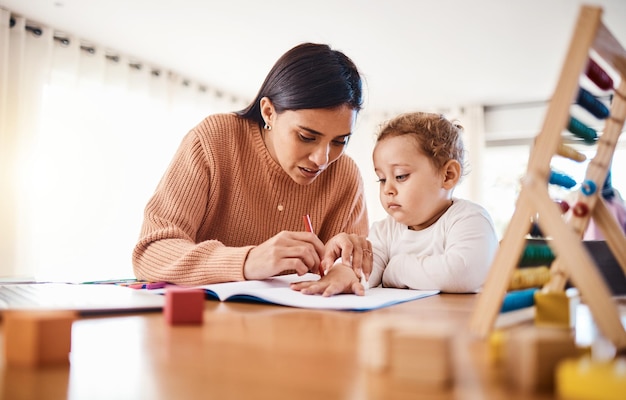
437,137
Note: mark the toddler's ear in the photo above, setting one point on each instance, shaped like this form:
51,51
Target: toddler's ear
451,174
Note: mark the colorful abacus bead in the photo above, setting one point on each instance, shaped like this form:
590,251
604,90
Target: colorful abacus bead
564,206
588,187
598,76
590,103
580,209
582,131
565,181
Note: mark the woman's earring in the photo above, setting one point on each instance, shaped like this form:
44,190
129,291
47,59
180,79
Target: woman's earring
267,127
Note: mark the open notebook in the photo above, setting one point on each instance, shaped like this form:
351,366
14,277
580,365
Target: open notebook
83,298
276,290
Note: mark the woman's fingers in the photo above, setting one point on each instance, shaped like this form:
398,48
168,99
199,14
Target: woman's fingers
299,251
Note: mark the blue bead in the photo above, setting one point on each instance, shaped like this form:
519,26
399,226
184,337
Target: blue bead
588,187
561,180
590,103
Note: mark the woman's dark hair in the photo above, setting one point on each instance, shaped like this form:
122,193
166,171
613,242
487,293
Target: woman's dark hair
309,76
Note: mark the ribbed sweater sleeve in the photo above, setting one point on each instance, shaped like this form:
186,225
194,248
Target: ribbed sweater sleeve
222,194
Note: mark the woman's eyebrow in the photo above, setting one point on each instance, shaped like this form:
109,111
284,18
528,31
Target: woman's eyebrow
314,132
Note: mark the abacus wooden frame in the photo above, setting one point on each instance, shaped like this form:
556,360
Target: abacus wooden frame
572,259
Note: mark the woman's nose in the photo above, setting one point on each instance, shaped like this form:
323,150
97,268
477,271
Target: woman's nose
320,155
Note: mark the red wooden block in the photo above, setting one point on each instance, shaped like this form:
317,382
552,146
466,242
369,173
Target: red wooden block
37,338
184,306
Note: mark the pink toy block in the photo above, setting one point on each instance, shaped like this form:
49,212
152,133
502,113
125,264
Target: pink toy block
184,306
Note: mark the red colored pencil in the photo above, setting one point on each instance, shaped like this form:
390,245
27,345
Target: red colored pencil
309,228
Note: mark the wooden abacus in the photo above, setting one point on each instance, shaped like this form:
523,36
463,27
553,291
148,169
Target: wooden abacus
572,260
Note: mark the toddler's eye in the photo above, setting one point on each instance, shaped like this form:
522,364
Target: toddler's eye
401,178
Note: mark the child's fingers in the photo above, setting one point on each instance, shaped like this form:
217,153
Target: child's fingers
358,289
314,288
302,285
332,289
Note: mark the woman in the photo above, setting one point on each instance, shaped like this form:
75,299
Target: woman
231,203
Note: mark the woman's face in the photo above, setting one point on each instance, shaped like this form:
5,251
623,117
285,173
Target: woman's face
305,142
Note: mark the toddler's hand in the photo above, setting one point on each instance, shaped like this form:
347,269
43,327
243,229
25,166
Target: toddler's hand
339,279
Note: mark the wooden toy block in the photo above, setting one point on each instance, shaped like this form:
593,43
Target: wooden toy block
532,354
409,349
497,341
399,346
373,342
556,309
184,306
37,338
585,379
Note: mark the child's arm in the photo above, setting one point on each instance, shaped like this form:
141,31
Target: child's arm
378,267
458,261
380,236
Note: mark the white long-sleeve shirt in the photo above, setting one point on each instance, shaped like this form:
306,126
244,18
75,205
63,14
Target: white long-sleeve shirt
452,255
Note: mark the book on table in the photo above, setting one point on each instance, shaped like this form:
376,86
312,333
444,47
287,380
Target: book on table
276,290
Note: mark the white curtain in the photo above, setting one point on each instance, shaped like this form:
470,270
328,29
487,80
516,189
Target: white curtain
85,135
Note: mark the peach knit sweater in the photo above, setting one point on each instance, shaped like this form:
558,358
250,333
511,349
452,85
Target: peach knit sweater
222,194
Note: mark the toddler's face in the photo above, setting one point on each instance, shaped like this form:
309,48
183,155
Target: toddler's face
411,189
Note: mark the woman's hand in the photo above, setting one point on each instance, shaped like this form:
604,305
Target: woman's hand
339,279
286,251
355,251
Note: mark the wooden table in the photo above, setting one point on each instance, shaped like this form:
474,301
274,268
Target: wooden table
249,351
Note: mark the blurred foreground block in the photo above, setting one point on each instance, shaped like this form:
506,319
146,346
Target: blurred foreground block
556,309
37,338
585,379
408,350
532,354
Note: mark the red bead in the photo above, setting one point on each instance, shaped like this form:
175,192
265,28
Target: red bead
564,206
580,209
